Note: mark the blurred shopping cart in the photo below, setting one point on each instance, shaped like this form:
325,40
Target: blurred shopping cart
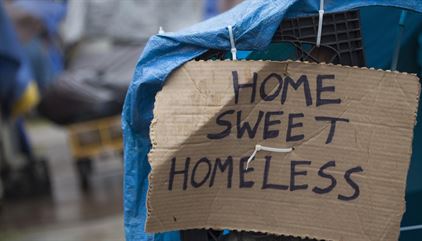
96,145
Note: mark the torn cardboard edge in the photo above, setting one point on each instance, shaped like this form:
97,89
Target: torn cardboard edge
286,233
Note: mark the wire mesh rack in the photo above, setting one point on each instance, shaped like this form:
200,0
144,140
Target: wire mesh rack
341,40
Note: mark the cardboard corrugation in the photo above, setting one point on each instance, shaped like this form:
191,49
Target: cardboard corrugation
163,209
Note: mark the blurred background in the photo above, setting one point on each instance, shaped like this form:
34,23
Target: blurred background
65,66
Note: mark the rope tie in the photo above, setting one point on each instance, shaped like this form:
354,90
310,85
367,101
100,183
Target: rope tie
321,17
233,47
265,148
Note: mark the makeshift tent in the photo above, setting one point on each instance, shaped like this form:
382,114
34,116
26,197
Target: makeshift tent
254,23
92,87
100,69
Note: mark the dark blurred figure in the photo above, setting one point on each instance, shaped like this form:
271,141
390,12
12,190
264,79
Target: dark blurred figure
37,25
26,55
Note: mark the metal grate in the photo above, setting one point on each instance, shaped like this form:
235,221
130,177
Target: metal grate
341,39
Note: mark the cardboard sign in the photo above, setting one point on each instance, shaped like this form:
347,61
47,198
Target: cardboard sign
351,131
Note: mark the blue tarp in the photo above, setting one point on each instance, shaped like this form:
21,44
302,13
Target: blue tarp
254,23
15,72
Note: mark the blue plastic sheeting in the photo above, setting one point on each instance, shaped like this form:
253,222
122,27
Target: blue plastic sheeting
379,38
254,23
15,73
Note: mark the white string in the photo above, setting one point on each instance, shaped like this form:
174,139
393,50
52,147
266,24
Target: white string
233,47
410,228
321,17
265,148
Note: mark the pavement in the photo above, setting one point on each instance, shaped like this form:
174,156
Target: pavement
69,214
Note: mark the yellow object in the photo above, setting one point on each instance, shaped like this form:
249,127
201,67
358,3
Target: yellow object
27,101
91,138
